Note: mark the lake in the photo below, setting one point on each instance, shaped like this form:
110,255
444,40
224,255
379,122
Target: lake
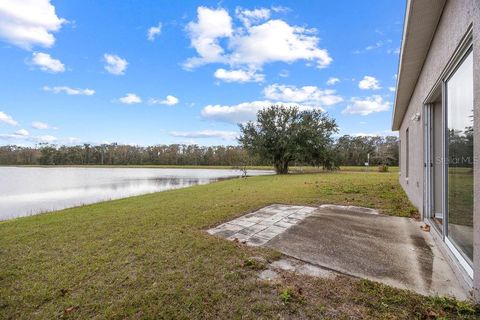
32,190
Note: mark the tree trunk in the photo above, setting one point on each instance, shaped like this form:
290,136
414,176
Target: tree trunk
281,167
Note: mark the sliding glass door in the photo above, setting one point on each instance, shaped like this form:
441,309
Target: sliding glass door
449,160
459,149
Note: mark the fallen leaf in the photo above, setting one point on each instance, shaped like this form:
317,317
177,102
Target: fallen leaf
425,228
71,309
432,314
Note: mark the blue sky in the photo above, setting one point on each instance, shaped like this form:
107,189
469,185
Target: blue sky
161,72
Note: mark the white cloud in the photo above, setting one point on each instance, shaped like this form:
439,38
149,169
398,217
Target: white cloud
253,45
130,98
6,136
369,83
225,135
7,119
394,51
365,134
114,64
276,40
22,136
25,136
211,25
154,32
281,9
22,132
385,133
29,22
71,140
332,80
366,106
305,98
239,75
391,89
41,125
45,139
46,63
307,94
70,91
255,16
169,101
284,73
376,45
245,111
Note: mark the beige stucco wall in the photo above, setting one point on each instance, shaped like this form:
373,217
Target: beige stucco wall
455,21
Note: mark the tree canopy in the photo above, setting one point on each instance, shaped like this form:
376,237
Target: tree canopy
283,135
355,150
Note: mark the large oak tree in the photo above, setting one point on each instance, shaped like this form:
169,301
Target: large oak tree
282,135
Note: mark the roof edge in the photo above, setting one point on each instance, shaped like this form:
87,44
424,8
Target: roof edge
421,21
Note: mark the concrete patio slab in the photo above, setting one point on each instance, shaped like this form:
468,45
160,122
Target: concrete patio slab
355,241
366,244
261,226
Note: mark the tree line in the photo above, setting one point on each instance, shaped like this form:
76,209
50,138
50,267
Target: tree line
345,150
120,154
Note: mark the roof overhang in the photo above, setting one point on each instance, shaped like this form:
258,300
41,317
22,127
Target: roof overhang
421,20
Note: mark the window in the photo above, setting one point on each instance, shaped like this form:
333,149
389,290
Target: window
400,158
407,152
459,148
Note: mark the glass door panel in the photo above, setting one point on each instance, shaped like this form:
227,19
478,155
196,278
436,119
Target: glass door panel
434,164
437,163
459,89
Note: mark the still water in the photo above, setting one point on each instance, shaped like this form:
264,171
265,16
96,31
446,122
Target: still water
27,191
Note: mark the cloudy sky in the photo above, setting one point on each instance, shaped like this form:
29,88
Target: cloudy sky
152,72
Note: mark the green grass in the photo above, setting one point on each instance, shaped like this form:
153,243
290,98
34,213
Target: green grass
149,257
460,196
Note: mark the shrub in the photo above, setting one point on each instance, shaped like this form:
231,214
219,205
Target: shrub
383,168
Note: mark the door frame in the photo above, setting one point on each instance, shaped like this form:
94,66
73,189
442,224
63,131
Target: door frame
429,183
429,158
462,51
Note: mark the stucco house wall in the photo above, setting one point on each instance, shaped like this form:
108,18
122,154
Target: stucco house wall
455,21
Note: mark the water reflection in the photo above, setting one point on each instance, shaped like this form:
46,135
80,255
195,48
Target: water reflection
27,191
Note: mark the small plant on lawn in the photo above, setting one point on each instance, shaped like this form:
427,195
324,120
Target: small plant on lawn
383,168
286,295
254,264
291,295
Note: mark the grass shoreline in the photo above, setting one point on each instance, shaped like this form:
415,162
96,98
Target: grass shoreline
148,256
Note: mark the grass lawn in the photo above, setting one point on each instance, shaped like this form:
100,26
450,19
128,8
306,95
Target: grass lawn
149,257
